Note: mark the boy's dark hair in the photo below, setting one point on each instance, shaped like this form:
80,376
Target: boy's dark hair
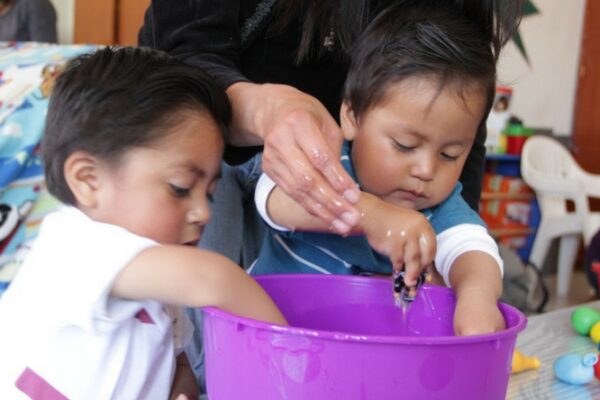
115,99
431,39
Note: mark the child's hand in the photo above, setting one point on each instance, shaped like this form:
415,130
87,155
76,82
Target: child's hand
476,280
402,234
476,317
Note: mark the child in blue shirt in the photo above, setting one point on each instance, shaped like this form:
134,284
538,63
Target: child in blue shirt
421,83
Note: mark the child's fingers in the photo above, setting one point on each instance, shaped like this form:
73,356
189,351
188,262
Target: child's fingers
412,263
427,247
397,258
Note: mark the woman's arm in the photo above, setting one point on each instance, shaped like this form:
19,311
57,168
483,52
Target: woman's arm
301,139
203,33
302,144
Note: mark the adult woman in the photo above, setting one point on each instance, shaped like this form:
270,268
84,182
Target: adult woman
284,64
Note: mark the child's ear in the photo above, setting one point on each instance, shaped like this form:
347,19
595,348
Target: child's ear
348,121
82,175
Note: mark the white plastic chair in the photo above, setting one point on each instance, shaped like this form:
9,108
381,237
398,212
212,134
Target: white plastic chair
554,175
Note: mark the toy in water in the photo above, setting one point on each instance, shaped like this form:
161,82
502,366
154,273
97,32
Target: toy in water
405,293
583,319
575,369
521,362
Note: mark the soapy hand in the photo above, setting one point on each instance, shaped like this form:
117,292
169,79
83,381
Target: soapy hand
402,234
302,144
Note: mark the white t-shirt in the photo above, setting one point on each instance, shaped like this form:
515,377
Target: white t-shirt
62,334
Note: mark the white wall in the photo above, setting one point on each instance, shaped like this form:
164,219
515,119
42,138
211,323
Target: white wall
544,91
65,15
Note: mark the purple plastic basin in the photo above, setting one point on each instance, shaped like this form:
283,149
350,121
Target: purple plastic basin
347,340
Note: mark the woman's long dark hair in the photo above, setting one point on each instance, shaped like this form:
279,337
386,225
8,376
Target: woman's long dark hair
348,18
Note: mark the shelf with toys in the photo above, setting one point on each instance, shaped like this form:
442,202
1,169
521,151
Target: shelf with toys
508,205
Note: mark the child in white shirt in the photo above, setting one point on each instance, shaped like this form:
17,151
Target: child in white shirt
132,147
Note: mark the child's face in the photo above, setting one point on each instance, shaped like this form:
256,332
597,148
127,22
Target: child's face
410,149
160,192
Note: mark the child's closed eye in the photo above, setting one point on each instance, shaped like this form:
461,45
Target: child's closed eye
403,147
179,191
449,157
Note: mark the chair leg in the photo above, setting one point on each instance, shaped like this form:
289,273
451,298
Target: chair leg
540,248
567,251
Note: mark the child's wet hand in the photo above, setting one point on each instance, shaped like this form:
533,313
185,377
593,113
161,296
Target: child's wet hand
402,234
477,317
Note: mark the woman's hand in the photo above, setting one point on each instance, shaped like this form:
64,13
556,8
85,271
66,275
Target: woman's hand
302,144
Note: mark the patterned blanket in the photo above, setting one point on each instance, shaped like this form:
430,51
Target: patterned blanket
27,73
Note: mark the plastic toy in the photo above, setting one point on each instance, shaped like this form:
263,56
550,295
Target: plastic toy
583,318
575,369
595,332
521,362
597,370
407,293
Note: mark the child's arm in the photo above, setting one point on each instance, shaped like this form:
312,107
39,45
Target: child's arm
188,276
476,280
402,234
184,381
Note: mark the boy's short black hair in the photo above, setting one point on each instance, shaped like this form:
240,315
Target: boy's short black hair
431,39
114,99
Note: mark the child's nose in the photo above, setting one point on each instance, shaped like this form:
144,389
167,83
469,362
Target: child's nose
199,213
424,168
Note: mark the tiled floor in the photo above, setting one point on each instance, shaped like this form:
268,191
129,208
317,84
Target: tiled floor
579,293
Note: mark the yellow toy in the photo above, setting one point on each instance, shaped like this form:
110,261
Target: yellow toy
521,362
595,332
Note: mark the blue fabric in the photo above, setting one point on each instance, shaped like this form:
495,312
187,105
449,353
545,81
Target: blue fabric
235,229
26,74
310,252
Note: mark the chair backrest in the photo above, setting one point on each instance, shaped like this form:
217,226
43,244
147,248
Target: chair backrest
545,159
552,172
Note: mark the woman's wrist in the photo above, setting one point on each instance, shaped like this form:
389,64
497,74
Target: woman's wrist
246,127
